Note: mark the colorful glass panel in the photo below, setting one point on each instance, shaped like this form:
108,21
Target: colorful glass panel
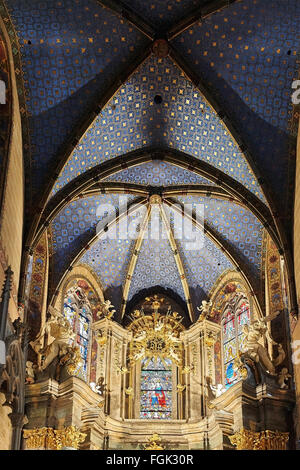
234,341
229,327
230,350
156,389
243,317
80,324
231,375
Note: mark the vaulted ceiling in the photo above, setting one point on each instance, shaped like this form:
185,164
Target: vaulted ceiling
186,99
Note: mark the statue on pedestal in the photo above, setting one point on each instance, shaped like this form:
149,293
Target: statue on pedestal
56,340
104,310
257,334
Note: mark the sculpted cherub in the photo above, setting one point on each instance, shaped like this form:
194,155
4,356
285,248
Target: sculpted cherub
29,373
283,377
204,309
256,333
104,309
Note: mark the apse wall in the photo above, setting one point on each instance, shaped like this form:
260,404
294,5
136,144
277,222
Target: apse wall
11,218
296,332
11,221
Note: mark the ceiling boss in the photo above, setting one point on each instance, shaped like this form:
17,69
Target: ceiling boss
156,336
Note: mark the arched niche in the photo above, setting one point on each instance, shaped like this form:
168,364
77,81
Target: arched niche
232,306
78,272
79,299
155,362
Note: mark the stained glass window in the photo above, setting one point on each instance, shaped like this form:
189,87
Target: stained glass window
156,389
78,315
234,340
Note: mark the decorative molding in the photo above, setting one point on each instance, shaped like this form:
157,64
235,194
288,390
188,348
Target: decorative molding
91,179
264,440
52,439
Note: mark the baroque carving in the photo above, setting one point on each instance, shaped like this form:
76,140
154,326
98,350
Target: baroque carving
105,310
257,334
53,439
154,443
204,310
156,336
264,440
56,340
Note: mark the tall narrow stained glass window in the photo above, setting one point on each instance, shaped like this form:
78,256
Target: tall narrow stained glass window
234,340
77,311
156,389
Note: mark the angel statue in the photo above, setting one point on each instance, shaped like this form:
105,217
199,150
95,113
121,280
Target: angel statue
104,309
256,333
204,309
54,340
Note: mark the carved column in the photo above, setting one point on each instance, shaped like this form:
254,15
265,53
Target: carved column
17,421
4,315
199,343
111,358
193,378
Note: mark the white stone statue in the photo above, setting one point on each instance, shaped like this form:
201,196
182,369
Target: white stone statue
256,335
159,326
174,355
29,373
219,389
140,337
140,354
283,377
99,387
55,338
204,309
214,391
104,309
173,338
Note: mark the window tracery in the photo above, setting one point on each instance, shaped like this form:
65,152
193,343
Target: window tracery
236,314
156,389
78,309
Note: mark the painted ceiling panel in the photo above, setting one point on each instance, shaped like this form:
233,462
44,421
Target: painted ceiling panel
235,224
163,13
76,224
202,266
247,53
109,256
182,120
70,54
158,173
156,264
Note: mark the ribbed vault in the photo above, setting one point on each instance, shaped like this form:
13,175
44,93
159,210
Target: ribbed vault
186,100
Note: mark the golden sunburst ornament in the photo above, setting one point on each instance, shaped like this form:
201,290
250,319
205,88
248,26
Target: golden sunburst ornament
156,336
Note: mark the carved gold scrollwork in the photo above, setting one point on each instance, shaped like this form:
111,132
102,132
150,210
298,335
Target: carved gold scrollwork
53,439
154,443
264,440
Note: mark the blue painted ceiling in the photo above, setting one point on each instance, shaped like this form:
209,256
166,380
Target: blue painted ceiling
158,173
163,13
247,53
183,120
108,256
72,52
76,224
237,225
